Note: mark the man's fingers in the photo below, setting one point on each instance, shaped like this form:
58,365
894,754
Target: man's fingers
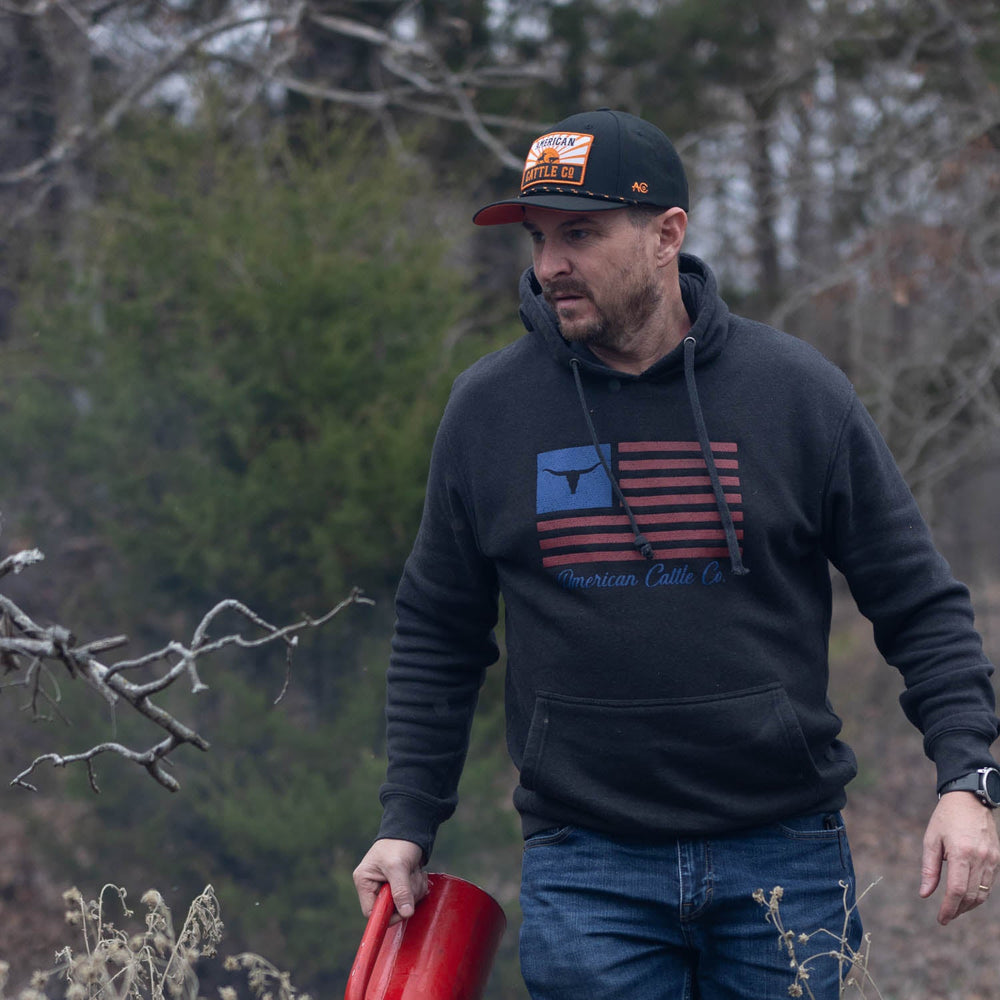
367,889
959,894
397,862
407,888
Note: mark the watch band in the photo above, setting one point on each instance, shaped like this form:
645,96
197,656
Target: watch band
984,783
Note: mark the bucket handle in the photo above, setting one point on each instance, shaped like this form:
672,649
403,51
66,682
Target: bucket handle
371,941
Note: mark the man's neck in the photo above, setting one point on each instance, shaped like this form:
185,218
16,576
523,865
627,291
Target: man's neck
642,350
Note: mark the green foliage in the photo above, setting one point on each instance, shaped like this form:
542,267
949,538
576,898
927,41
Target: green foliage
236,395
281,814
246,380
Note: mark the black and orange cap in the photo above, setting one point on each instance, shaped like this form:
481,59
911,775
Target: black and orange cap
595,160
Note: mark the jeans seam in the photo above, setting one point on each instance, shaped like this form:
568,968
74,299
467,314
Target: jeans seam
688,910
706,853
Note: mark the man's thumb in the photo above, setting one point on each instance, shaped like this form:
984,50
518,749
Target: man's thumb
402,895
930,870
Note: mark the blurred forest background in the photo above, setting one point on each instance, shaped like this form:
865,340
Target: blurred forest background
237,276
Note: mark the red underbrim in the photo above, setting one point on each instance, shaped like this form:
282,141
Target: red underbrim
504,212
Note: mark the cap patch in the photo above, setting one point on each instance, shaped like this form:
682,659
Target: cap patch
557,158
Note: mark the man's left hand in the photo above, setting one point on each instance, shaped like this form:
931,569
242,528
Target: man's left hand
963,833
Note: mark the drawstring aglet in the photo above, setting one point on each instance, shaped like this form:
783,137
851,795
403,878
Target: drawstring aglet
641,542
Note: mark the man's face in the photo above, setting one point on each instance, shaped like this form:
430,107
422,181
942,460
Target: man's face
597,271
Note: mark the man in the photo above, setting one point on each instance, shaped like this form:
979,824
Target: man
657,488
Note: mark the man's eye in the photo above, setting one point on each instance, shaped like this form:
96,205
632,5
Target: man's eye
578,234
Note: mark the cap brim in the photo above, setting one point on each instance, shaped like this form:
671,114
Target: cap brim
512,210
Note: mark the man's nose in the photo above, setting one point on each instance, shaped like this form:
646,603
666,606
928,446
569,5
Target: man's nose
550,262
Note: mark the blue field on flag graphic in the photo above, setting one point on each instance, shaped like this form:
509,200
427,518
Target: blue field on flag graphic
573,479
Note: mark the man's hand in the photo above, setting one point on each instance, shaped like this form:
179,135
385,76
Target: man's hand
962,832
397,862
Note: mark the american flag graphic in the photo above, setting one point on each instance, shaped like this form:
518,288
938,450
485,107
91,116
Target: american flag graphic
666,485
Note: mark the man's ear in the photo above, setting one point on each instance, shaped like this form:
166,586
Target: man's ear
672,227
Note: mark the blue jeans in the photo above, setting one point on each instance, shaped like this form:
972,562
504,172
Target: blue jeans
609,919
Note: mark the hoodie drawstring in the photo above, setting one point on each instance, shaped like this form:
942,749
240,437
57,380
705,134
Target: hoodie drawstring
732,542
640,541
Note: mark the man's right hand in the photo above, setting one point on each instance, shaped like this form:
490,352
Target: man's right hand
397,862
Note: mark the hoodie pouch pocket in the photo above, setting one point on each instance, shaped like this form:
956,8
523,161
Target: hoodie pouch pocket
689,764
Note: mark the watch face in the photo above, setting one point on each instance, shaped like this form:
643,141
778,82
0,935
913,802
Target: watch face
991,785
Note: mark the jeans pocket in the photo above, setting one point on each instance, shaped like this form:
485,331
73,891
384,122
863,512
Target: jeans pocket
548,838
815,826
820,829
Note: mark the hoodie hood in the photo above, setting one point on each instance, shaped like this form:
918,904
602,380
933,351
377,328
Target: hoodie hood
708,313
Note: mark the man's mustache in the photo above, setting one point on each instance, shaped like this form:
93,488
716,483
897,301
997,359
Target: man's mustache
564,287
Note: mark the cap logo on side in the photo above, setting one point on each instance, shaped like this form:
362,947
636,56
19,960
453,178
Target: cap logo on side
557,158
640,187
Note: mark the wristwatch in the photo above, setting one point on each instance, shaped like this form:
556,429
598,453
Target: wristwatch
985,783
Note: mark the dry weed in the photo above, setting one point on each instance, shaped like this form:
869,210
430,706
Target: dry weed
852,963
154,963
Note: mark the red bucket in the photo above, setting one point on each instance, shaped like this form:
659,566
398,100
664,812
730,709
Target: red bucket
443,952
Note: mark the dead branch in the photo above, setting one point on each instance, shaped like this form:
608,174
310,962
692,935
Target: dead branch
42,647
15,563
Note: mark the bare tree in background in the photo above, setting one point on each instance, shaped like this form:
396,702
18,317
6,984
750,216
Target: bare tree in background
851,188
899,174
61,108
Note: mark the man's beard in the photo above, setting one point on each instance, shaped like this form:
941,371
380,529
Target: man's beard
621,315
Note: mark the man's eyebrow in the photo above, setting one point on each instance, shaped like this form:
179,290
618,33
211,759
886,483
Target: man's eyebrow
577,220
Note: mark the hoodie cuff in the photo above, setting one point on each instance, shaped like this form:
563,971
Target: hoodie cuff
959,753
407,818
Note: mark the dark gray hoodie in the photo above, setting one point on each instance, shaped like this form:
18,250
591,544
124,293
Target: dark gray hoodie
662,545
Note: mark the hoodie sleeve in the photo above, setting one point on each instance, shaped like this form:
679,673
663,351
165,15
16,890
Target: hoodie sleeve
446,610
922,616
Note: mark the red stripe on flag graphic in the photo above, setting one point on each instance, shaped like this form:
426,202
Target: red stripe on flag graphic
666,483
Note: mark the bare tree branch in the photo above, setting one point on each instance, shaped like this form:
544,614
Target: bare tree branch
445,94
366,33
80,139
17,562
444,81
20,636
